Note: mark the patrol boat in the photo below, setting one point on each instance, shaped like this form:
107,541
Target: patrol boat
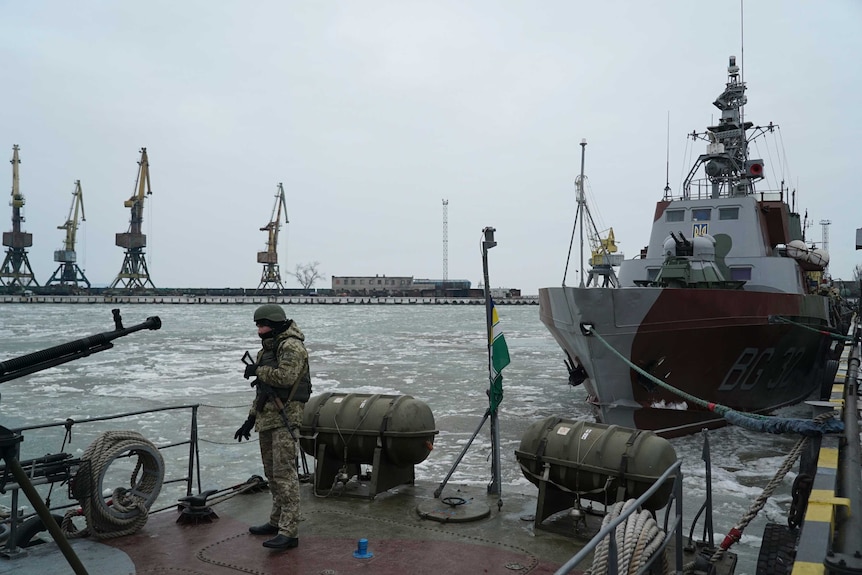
727,306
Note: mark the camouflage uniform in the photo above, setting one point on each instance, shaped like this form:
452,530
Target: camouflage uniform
282,364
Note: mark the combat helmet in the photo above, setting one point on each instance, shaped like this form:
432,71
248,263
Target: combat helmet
270,312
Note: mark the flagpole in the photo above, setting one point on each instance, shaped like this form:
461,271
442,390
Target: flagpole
494,486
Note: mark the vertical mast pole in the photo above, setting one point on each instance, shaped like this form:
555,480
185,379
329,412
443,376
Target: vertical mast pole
582,204
494,487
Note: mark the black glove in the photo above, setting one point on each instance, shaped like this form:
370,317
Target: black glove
245,430
250,370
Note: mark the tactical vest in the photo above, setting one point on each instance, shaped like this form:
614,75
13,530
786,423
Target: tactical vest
303,386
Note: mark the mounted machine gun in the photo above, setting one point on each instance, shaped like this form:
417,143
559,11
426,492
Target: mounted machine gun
9,440
68,273
269,258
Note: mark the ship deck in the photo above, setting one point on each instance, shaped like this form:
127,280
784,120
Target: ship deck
400,539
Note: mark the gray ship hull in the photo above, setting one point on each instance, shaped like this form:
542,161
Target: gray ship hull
719,346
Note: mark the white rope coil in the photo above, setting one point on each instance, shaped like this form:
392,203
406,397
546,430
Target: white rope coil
128,509
637,540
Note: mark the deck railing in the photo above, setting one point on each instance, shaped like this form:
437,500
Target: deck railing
674,526
191,478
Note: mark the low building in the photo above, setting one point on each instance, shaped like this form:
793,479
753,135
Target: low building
403,286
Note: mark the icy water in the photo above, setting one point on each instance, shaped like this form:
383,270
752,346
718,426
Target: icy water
436,354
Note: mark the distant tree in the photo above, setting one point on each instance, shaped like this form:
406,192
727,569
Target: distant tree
308,274
857,273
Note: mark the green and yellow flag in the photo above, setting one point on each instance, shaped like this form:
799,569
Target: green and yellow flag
499,359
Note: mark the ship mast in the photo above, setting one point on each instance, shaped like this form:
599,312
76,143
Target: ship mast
729,171
602,259
582,207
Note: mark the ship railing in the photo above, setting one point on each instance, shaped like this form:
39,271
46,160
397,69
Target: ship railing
190,478
849,519
703,190
671,525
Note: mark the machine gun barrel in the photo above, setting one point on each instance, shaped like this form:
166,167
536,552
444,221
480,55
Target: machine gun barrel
43,359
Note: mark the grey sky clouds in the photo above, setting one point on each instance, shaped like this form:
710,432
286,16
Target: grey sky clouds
371,113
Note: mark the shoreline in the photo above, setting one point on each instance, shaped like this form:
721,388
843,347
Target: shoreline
287,300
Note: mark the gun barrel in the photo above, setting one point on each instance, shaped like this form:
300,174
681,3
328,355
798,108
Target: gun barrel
38,360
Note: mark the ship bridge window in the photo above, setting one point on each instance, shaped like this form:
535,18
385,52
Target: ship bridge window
701,215
652,273
728,213
674,215
740,273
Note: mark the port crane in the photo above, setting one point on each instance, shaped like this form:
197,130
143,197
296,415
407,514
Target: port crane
16,272
134,274
68,272
271,275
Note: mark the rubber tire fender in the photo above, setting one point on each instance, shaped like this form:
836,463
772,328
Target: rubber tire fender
778,550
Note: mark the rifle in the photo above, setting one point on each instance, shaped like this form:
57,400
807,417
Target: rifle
265,393
39,360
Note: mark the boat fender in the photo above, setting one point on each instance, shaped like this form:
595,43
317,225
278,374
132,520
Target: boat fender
800,491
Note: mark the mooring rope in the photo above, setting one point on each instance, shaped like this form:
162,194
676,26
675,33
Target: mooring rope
637,539
128,509
765,422
831,334
735,534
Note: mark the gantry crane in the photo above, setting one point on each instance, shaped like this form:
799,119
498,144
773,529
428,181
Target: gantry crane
271,275
134,273
68,273
16,272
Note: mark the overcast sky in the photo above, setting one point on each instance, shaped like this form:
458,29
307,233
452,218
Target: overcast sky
371,113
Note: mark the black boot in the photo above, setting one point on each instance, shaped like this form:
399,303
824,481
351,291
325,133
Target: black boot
265,529
281,542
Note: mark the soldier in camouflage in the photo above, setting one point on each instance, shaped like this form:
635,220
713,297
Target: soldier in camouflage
283,386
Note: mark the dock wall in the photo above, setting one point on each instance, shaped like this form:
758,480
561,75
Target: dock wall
285,300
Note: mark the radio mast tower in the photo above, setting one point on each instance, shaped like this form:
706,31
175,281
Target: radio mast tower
134,273
271,274
16,270
68,273
445,240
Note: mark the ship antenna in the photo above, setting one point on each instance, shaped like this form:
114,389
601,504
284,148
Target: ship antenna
667,161
742,63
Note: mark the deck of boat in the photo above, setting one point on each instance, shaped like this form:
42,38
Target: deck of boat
401,541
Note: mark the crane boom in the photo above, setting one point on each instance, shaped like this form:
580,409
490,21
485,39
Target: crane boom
71,225
136,202
269,258
68,274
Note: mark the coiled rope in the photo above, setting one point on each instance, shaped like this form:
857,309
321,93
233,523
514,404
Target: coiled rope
637,539
128,509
